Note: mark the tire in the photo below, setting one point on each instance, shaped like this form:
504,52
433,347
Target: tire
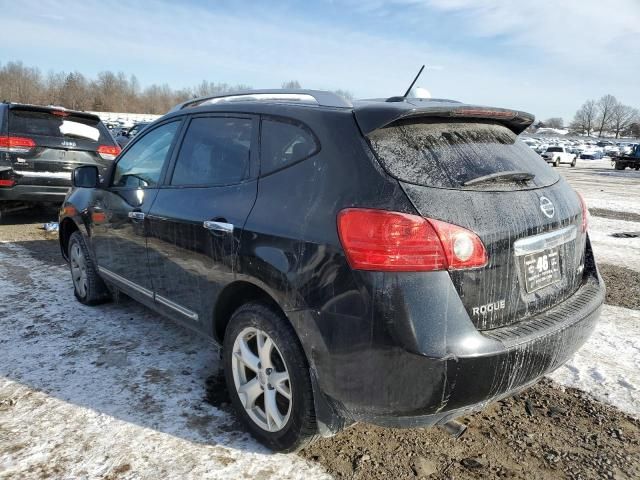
250,324
620,166
88,287
557,162
575,160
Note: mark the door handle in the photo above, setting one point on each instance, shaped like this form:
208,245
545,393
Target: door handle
218,226
136,215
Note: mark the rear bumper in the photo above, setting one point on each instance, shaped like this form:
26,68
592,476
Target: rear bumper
405,371
34,193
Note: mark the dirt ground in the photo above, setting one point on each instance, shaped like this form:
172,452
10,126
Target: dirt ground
545,433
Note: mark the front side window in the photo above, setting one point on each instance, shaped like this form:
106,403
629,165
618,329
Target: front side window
284,143
141,165
215,151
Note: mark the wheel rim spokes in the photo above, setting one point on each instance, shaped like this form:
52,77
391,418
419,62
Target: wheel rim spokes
78,270
261,379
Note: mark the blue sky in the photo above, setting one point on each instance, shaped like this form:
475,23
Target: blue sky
545,57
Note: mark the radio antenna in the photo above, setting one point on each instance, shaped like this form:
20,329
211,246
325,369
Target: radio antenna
406,94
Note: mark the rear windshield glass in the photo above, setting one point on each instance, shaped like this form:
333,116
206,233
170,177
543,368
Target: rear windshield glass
68,127
447,155
554,149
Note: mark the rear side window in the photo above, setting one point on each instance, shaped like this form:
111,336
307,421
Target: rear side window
215,151
446,155
283,143
62,125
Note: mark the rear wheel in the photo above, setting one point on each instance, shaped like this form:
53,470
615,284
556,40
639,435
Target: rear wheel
557,162
575,160
268,378
620,166
88,287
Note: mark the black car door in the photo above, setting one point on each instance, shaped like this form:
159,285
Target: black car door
119,226
198,215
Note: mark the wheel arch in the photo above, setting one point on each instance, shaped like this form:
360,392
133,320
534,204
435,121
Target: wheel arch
66,228
232,297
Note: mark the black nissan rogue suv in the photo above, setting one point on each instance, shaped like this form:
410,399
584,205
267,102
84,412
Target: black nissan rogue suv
397,262
40,147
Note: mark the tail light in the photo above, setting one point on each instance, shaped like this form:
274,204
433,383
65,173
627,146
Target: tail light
108,152
393,241
16,144
7,183
585,213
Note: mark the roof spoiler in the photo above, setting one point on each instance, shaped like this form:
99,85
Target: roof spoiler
370,117
313,97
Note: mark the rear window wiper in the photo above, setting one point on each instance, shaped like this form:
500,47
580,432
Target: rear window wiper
511,176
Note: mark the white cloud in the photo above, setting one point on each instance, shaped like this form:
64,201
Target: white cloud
263,46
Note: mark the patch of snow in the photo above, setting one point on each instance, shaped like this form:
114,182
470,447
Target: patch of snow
89,392
624,252
608,365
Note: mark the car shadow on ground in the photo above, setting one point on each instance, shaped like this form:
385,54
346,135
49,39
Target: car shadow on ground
119,359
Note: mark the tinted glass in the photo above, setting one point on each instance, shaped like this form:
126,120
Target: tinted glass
215,151
284,143
63,126
449,154
554,149
141,165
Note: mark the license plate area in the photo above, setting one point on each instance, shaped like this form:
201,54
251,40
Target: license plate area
541,269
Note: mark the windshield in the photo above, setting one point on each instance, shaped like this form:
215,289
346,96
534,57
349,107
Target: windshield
554,149
448,155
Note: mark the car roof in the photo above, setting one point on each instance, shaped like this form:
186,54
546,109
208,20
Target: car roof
371,114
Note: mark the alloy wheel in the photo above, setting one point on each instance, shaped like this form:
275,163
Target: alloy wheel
261,379
78,270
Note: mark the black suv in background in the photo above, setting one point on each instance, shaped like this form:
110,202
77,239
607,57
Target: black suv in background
398,262
40,147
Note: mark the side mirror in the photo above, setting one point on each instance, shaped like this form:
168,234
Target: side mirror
86,176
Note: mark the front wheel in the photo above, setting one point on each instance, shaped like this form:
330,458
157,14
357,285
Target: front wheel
267,376
88,287
573,164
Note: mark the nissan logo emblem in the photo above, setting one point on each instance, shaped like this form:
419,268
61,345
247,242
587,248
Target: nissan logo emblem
547,207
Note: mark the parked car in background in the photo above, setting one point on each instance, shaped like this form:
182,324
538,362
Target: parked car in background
126,135
39,148
399,262
557,155
592,153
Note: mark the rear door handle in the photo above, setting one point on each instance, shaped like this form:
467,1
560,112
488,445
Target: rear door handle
136,215
218,226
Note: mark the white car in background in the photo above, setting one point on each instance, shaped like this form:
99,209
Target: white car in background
556,155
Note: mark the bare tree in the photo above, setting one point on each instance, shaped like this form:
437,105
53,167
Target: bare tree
605,107
585,118
554,122
292,85
622,117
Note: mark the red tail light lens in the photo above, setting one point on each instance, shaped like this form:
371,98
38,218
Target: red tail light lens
16,144
7,183
108,152
585,213
392,241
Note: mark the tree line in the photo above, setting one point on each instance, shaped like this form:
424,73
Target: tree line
107,92
604,116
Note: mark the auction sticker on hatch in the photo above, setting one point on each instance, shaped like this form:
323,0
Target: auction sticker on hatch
541,269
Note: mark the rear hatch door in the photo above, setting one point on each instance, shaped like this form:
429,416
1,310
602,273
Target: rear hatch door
53,143
478,174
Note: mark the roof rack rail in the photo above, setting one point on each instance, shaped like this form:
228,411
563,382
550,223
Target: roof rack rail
299,96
